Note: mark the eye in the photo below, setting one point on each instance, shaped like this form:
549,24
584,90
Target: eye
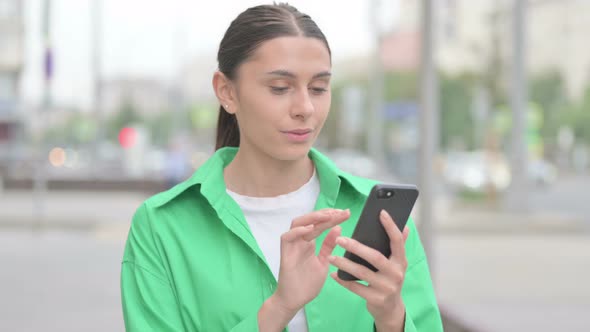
278,90
318,91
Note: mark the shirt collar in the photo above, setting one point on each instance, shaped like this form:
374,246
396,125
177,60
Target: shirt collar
210,178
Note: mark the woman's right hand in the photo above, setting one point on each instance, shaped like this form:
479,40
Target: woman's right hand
302,274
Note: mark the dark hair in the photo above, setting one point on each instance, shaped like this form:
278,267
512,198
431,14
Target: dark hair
250,29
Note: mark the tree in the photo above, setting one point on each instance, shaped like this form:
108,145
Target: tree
547,91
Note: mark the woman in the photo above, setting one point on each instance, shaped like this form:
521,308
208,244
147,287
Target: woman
247,243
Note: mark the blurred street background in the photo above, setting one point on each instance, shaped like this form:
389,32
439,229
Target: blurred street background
485,105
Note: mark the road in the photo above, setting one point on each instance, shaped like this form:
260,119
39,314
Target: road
69,281
59,281
515,282
568,196
65,276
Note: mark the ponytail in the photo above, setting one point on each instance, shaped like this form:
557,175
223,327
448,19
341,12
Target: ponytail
228,133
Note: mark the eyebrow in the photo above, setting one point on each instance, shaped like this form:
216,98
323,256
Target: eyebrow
289,74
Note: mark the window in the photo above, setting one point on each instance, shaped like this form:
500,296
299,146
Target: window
7,87
8,9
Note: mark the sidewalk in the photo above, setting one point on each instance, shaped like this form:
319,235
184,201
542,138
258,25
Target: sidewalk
490,221
493,271
514,282
68,210
458,217
92,210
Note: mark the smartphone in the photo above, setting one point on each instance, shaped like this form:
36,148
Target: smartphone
398,200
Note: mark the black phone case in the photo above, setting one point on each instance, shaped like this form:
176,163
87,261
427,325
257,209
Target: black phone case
369,230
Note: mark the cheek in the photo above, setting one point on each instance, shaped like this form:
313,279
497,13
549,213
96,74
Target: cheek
322,106
258,114
252,103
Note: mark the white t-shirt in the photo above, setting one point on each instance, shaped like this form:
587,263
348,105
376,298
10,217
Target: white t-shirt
270,217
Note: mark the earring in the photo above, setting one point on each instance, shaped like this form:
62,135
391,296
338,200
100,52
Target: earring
226,107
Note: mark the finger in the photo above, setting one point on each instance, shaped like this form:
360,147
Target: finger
396,240
360,271
406,233
336,219
329,244
374,257
359,289
296,233
320,216
313,218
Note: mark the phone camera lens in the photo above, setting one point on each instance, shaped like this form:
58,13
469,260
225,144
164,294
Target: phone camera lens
385,193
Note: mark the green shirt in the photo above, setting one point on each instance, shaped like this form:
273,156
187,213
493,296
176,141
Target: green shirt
191,262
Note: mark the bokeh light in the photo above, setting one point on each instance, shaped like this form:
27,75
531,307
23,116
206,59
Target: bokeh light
127,137
57,157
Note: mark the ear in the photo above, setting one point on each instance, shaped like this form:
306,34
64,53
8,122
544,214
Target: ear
224,91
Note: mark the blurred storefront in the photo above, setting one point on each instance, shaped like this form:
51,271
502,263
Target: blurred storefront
11,65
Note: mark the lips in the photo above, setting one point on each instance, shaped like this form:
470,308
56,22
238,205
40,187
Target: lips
298,135
298,131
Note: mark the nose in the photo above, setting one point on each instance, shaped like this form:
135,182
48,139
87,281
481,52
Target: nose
302,106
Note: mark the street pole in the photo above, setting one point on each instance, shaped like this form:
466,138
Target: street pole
376,81
517,195
428,127
97,84
40,176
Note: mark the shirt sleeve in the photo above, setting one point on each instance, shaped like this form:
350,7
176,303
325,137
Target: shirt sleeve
149,302
422,313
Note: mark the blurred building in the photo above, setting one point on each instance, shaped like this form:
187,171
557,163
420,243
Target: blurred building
151,96
559,33
147,96
196,76
11,64
474,35
400,51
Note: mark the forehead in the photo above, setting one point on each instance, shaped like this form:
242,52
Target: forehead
300,55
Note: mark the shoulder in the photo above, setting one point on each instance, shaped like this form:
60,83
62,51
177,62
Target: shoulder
177,201
161,199
329,171
361,184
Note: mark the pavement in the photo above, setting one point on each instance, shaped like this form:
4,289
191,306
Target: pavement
87,210
493,270
69,210
515,282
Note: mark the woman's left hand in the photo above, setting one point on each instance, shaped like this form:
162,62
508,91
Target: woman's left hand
383,293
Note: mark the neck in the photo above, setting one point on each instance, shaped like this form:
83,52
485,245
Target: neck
257,174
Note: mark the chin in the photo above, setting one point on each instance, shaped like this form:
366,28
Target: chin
291,152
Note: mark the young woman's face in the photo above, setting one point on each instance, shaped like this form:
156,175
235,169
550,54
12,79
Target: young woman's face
283,96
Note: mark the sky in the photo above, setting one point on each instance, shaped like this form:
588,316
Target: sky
154,38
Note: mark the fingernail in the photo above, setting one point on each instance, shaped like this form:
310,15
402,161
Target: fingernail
341,240
383,214
331,258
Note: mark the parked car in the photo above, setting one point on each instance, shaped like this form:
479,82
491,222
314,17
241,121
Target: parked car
542,172
360,164
476,171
